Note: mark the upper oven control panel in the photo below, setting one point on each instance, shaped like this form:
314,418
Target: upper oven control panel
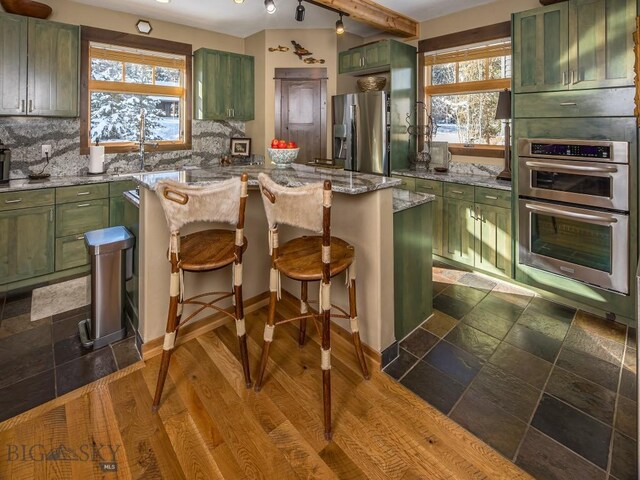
593,150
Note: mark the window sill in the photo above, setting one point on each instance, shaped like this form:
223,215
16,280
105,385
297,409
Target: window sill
491,151
132,148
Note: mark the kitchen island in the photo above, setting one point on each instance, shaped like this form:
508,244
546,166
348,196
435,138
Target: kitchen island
361,214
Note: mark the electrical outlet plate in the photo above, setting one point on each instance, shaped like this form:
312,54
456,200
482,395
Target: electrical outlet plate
46,150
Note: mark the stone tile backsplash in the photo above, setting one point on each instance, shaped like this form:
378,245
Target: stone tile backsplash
25,136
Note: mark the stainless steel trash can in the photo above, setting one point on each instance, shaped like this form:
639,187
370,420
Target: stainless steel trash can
110,250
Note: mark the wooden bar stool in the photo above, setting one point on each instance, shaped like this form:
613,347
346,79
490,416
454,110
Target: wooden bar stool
307,259
203,251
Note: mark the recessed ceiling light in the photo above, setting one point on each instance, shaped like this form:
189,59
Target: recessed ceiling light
163,1
238,1
270,6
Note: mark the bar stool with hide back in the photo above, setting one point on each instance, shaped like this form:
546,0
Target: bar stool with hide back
203,251
308,259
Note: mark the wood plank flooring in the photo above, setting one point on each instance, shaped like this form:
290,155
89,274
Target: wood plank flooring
210,426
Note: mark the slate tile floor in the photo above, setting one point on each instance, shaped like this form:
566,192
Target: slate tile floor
551,388
44,359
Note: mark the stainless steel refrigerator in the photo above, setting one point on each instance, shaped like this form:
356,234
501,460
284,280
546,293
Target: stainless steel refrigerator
361,131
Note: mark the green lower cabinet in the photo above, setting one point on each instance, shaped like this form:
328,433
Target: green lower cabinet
493,240
71,252
81,217
412,262
438,227
458,240
26,243
116,211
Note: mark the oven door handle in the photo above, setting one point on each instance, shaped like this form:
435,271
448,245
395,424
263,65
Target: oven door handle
599,219
554,167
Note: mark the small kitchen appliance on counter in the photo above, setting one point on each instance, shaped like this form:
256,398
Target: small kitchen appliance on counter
5,161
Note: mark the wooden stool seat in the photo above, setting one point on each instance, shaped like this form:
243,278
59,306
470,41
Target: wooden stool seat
208,250
301,258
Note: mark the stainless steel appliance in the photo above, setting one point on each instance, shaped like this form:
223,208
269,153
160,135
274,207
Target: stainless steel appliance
361,131
5,161
574,209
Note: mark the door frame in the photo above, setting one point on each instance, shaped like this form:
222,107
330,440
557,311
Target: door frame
302,74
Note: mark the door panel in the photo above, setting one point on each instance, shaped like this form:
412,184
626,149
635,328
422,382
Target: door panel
458,234
493,239
13,64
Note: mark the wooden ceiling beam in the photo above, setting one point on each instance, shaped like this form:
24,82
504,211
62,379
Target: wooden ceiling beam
375,15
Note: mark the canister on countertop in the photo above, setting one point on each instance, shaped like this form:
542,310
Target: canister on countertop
5,162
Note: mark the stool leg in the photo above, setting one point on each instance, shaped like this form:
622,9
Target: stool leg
169,345
242,334
326,371
355,329
303,311
268,338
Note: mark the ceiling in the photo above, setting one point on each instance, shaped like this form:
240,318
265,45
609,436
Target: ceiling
243,20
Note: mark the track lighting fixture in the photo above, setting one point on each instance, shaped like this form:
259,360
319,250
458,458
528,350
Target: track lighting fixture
300,11
238,1
340,25
270,6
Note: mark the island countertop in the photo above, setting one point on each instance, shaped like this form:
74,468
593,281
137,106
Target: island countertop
342,181
452,177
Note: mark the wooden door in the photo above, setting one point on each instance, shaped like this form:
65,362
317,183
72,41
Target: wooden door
301,112
54,58
601,43
458,232
493,239
13,64
540,49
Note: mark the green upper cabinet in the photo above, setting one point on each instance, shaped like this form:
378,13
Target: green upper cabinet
350,60
541,49
578,44
370,57
39,67
224,86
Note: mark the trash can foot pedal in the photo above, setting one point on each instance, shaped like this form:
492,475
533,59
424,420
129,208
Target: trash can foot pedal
84,327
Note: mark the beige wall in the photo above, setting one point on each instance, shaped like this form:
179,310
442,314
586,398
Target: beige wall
323,44
80,14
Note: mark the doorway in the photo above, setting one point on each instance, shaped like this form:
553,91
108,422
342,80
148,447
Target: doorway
301,110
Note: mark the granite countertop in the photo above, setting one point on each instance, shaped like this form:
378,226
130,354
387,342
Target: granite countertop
405,199
464,178
342,181
20,184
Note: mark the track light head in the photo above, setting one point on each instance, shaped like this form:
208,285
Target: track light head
270,6
340,26
300,11
238,1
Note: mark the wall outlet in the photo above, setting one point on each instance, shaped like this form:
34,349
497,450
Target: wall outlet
46,150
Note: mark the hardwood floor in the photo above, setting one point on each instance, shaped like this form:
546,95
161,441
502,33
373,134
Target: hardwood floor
210,426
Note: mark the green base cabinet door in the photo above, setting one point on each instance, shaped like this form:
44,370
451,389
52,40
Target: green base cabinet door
26,243
458,240
493,240
438,228
71,252
79,218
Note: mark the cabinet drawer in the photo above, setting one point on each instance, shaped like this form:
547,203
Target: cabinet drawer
71,252
82,193
81,217
116,189
31,198
491,196
408,183
433,187
457,190
608,102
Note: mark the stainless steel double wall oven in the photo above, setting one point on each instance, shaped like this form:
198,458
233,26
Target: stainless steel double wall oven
574,209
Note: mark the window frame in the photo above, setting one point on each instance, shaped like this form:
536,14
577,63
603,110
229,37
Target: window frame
98,35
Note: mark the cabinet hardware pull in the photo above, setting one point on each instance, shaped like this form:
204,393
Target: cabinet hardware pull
573,77
80,237
80,205
80,194
17,200
30,105
568,104
456,191
564,78
490,197
51,215
22,103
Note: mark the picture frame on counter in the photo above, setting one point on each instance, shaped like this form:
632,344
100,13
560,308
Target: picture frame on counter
241,147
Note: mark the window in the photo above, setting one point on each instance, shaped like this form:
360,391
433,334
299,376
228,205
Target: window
462,93
122,84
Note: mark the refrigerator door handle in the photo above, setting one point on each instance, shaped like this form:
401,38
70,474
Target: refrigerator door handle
354,137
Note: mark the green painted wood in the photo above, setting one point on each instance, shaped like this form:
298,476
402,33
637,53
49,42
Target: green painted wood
601,43
458,240
408,183
493,196
438,225
402,87
116,211
350,60
607,102
26,243
377,54
493,239
116,189
224,85
459,191
13,64
54,69
71,252
433,187
25,199
540,49
79,193
81,217
412,257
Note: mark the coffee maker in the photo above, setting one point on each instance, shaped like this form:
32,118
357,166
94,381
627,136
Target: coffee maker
5,161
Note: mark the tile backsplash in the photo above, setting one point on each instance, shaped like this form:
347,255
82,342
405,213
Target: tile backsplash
25,136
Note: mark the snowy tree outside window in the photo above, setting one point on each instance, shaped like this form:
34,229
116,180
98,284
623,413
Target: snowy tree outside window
462,93
124,83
